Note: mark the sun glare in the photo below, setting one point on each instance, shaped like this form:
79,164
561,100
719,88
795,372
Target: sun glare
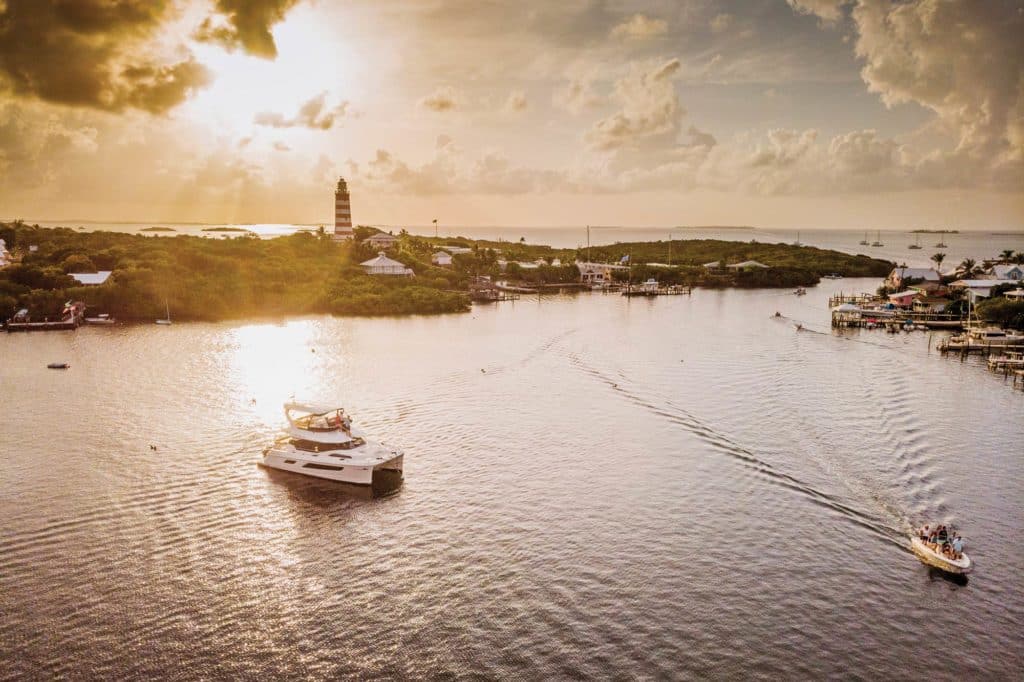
309,62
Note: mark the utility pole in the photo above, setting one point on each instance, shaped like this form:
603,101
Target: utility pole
435,228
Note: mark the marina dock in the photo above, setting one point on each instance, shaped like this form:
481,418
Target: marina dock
72,318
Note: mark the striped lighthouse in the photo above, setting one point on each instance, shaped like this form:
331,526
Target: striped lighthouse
342,211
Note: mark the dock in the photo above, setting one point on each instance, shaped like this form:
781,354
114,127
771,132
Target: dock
660,291
71,318
859,313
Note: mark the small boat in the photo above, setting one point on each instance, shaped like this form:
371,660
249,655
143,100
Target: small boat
799,327
833,275
916,244
878,240
800,291
865,242
321,442
102,318
166,320
797,242
59,365
941,244
926,554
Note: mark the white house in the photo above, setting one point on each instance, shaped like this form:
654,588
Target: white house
1004,271
382,265
1015,294
977,288
91,279
747,265
381,240
441,258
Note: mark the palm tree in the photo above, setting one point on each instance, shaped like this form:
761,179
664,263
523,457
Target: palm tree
968,266
1005,255
938,258
1018,258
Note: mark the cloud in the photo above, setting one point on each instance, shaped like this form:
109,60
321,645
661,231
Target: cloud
578,96
93,53
640,27
720,23
829,11
516,101
650,108
35,148
958,58
313,114
245,24
441,100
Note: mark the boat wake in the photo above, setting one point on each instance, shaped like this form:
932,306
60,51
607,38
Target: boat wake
725,445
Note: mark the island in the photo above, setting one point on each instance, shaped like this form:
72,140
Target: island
935,232
225,229
372,274
158,229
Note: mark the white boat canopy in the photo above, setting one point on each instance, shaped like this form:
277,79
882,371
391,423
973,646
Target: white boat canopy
310,408
846,308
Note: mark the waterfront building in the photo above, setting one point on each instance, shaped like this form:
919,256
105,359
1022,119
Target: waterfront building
597,273
903,299
342,211
381,240
900,275
441,258
977,288
382,265
1015,294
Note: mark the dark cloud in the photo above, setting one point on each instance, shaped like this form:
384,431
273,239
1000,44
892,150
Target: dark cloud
313,114
245,24
91,53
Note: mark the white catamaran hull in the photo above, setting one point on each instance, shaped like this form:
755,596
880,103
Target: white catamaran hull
355,467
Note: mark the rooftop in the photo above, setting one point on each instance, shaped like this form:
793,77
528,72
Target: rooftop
91,278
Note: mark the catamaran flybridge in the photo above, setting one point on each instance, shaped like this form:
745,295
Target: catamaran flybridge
320,441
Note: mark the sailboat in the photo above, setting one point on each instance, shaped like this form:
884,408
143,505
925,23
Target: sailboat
916,244
797,242
167,308
865,242
941,244
878,240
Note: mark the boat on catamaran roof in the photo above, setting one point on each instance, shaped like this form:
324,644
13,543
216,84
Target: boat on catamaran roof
320,441
941,547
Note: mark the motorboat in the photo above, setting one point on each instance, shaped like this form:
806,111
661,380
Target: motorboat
800,291
320,441
926,554
833,275
101,319
59,365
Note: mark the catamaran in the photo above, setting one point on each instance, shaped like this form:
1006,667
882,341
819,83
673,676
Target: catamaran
320,441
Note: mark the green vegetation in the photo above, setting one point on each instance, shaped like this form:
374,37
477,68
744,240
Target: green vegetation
209,279
213,279
1003,312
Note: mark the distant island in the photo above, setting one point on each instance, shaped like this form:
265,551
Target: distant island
309,272
225,229
935,232
158,229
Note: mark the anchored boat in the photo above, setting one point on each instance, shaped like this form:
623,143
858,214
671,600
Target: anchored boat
320,441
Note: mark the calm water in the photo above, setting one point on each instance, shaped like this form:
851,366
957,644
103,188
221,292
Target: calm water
596,486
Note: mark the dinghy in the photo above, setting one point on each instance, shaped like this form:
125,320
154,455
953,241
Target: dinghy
926,554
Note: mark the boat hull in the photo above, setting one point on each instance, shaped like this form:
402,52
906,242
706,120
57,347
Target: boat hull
378,467
962,566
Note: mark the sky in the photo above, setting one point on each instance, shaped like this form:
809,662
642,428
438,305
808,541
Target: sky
866,114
